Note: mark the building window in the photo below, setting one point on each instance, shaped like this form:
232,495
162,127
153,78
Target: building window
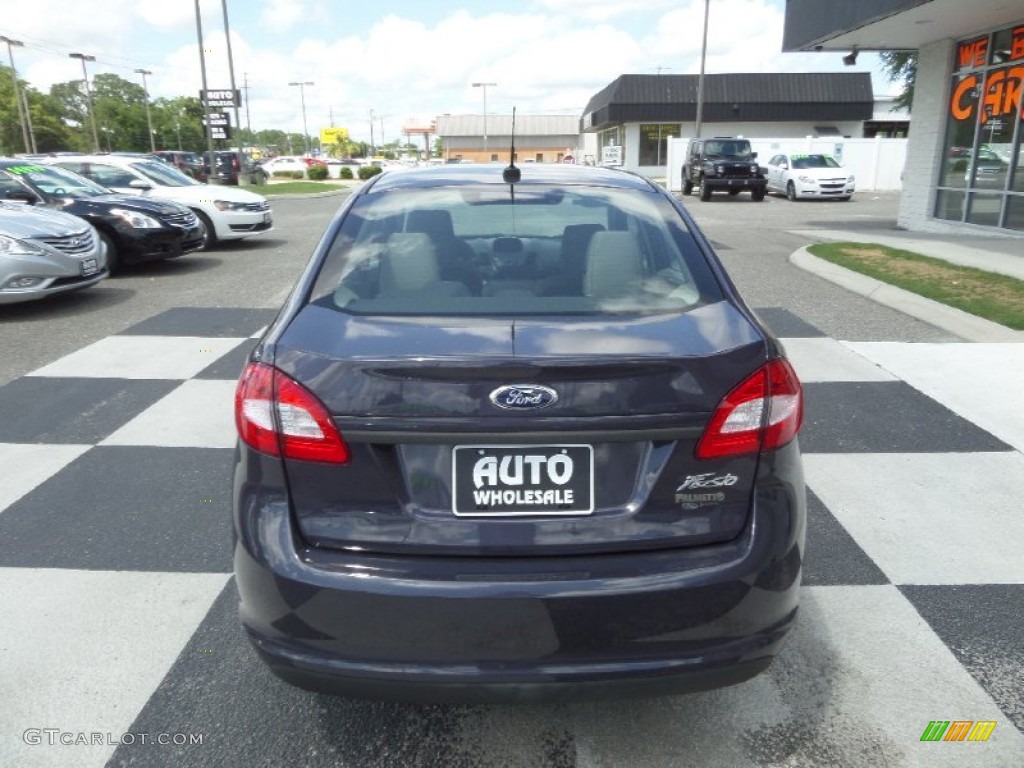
494,157
540,157
654,142
982,180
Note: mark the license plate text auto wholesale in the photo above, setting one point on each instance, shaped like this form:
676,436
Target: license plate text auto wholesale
511,480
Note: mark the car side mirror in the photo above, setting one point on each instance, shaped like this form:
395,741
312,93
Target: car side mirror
754,155
139,184
22,196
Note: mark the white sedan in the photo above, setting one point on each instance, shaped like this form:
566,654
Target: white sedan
227,213
809,176
288,163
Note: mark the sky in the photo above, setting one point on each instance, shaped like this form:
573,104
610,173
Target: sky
406,60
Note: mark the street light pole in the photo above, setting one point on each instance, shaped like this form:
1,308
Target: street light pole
17,92
372,147
302,96
88,98
484,86
149,120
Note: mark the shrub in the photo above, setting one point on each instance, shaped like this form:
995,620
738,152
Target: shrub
368,171
317,172
346,172
289,175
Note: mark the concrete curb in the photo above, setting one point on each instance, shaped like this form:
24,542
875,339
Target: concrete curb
950,319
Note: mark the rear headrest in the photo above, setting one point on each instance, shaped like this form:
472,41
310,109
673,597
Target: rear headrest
437,224
613,264
575,239
409,263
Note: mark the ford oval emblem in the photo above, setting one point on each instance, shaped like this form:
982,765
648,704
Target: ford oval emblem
523,396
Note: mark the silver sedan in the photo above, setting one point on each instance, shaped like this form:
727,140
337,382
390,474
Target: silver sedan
43,252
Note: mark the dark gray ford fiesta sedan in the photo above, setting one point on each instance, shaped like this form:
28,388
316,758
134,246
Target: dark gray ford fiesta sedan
515,436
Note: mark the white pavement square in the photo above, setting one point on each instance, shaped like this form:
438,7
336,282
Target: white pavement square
197,414
141,357
82,651
860,678
26,466
984,383
929,518
818,360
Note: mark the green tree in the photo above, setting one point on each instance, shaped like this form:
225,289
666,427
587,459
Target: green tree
49,131
901,66
178,124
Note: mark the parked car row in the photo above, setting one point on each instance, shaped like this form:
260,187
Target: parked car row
70,220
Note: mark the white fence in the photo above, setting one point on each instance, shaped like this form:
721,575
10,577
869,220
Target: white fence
877,163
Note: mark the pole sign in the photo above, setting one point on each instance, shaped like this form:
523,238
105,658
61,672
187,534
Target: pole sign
221,98
220,125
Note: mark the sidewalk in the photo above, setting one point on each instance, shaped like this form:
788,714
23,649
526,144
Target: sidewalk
1002,255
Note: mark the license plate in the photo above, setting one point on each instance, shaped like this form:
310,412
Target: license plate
517,480
89,267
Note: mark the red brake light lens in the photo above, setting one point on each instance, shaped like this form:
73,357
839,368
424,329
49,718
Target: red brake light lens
278,416
762,413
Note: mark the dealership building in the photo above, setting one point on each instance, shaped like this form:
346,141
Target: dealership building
965,155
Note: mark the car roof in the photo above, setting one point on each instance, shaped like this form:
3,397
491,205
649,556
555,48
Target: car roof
553,174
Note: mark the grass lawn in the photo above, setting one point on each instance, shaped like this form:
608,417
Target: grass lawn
995,297
298,187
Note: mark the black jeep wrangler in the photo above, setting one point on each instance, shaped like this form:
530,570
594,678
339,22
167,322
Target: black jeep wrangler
722,163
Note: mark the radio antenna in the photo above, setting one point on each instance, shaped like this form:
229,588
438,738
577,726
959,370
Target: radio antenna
512,174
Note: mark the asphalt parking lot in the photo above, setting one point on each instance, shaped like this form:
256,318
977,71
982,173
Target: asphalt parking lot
115,574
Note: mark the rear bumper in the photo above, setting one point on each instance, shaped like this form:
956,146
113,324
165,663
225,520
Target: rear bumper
520,629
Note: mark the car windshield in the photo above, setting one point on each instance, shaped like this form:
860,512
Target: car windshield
814,161
740,149
163,174
531,250
57,182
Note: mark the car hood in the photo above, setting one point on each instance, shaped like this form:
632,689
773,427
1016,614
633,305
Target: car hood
23,221
204,193
101,205
821,173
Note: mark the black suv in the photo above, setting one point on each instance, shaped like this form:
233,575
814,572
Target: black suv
722,163
186,162
233,165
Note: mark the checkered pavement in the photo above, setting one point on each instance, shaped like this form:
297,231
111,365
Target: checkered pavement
117,610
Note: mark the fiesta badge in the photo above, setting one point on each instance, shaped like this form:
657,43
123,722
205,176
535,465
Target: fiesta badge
516,397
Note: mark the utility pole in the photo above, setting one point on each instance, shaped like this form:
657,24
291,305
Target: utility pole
17,91
211,177
149,120
231,64
302,93
88,96
245,79
373,153
700,79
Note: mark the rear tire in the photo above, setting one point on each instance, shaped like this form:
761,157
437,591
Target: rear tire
209,233
733,192
791,192
757,195
687,187
113,257
705,191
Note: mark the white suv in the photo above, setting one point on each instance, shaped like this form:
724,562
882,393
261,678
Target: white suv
227,213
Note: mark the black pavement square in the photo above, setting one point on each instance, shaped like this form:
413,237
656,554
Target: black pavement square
784,323
126,509
218,688
831,556
885,417
982,624
230,365
39,409
211,322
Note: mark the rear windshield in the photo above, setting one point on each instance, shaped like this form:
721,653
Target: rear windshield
484,250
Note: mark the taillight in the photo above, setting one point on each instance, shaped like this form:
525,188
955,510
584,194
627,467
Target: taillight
762,413
278,416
